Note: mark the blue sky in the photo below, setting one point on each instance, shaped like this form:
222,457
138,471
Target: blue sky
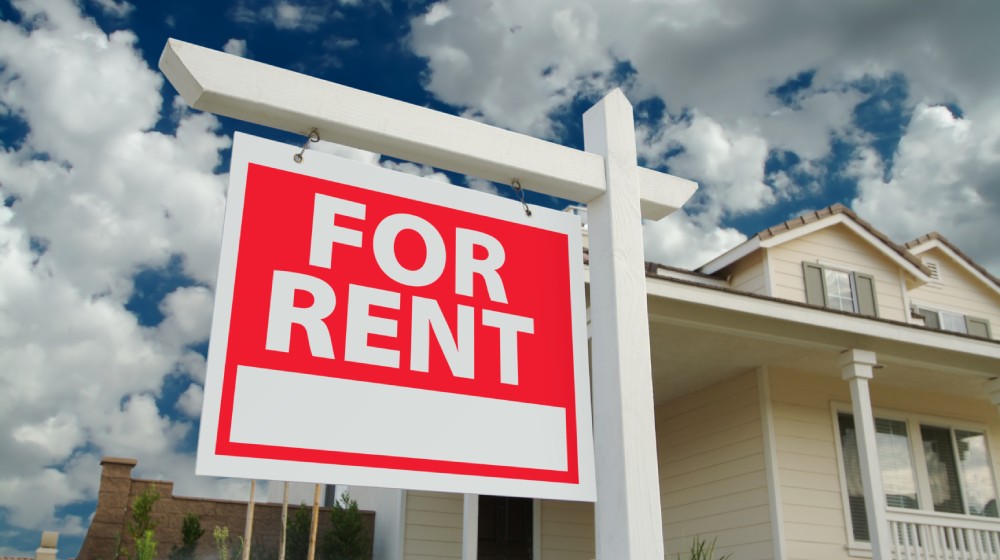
113,191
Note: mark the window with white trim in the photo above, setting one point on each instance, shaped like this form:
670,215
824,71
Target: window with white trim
953,322
925,465
840,289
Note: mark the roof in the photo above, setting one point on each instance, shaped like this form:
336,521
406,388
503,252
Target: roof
935,236
771,234
651,272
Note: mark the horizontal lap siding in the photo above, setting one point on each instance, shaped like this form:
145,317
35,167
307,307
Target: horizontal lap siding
433,526
958,291
747,275
567,530
812,505
712,479
837,245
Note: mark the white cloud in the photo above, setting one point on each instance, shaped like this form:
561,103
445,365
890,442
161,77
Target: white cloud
482,185
945,175
731,161
112,8
684,241
284,14
97,197
236,47
191,400
511,63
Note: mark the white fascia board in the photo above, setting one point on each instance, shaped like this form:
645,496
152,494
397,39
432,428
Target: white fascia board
835,219
731,256
880,245
849,324
691,277
936,244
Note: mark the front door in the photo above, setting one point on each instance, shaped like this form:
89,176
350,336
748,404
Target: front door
505,528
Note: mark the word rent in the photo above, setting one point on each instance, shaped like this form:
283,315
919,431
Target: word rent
426,319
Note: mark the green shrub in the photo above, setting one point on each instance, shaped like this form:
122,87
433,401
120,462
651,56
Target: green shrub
145,547
297,534
191,531
703,550
348,537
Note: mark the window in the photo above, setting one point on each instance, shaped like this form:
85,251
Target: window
953,322
924,466
840,289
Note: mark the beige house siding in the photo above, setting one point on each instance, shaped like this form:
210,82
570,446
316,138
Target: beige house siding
812,505
713,483
433,526
958,291
567,530
840,247
812,501
747,274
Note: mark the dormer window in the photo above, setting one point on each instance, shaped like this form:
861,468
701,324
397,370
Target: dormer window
839,289
952,322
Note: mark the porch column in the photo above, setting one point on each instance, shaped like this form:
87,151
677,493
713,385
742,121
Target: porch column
856,368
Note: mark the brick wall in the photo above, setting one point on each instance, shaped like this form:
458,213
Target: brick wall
119,490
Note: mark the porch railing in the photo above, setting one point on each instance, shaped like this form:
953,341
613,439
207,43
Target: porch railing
933,536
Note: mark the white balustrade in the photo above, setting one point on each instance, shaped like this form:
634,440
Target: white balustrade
933,536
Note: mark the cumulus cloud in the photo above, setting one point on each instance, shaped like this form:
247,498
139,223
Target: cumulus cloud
236,47
91,197
687,242
115,9
285,15
945,175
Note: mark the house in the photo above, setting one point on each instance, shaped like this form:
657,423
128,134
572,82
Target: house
820,392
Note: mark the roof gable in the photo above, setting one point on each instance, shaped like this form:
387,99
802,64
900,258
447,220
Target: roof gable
815,221
935,240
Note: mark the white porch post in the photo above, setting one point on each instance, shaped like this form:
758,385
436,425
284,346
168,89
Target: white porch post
856,368
628,491
470,526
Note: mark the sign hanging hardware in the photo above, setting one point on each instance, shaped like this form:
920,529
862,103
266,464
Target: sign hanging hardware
516,184
313,137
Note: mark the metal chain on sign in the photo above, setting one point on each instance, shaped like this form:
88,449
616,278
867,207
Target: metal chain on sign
313,137
516,184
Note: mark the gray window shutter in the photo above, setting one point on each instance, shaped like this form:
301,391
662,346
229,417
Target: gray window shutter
815,287
930,318
867,305
978,327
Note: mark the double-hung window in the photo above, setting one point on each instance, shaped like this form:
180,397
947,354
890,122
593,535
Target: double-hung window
925,465
954,322
844,290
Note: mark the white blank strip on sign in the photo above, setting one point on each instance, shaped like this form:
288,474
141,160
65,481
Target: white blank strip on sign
281,408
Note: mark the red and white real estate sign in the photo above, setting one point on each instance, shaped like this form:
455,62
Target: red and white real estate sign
374,328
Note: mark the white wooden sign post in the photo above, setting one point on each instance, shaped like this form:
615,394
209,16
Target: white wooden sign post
605,176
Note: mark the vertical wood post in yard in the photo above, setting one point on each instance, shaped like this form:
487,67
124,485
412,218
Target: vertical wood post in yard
248,531
284,523
315,523
627,512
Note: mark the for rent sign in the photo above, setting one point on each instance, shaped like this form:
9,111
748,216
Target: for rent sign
380,329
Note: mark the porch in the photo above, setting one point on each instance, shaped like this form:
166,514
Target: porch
771,379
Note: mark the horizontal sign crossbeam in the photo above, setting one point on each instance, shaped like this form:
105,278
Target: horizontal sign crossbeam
248,90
